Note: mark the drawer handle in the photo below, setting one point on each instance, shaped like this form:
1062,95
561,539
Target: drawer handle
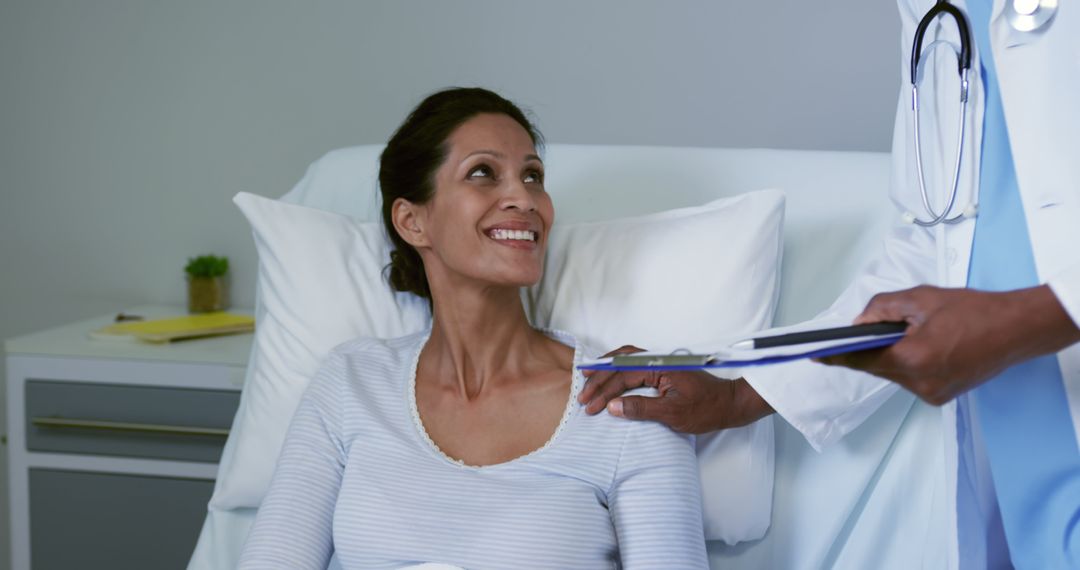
128,427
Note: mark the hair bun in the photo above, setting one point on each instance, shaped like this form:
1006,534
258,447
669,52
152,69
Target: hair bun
407,272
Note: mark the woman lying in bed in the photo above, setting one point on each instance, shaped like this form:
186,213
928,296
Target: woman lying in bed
465,444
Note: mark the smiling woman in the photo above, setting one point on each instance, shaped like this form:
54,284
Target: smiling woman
488,221
418,153
464,444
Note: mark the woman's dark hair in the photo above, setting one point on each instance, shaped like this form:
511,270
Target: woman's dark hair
411,157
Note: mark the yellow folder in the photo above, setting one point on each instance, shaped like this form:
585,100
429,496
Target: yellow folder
177,328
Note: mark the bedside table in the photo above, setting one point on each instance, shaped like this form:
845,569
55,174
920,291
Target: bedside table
114,444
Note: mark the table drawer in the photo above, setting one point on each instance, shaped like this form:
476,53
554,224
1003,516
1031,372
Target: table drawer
114,521
129,421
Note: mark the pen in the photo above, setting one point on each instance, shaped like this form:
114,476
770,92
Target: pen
804,337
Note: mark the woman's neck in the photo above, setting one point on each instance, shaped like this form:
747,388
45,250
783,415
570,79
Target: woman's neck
481,338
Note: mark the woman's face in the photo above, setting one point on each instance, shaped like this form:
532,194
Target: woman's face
489,218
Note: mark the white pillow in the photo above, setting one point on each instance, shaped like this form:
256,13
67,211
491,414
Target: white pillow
320,283
688,277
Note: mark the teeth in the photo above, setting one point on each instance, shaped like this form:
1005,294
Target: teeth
525,235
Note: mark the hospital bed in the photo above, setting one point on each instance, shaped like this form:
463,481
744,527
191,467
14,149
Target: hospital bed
874,500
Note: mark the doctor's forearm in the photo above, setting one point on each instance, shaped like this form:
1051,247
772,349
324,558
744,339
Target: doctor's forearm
960,338
1039,323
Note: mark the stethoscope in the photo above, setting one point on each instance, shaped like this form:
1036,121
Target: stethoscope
1024,16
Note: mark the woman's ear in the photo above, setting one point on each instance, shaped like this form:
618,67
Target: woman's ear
408,222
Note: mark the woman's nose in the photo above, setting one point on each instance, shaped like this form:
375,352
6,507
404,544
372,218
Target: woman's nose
517,196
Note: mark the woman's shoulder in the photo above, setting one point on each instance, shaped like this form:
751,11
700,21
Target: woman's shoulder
581,345
373,350
354,360
586,350
609,435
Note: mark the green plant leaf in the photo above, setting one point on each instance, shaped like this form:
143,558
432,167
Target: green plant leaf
207,266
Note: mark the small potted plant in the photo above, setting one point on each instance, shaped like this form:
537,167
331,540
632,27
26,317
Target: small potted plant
207,288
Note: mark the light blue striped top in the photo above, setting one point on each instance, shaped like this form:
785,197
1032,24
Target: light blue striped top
358,477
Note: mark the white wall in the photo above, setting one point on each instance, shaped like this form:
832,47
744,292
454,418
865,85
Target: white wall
126,125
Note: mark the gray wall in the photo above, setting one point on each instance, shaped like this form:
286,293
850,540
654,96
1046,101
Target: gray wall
126,126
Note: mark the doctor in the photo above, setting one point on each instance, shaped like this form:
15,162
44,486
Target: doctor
987,276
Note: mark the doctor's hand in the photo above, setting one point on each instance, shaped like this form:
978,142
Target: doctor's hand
959,338
689,401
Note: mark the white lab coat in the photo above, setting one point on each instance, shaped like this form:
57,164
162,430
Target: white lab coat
1039,76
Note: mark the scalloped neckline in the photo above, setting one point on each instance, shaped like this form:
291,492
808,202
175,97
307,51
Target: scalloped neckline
571,399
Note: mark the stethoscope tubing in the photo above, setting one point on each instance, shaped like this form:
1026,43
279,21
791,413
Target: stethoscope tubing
941,217
964,65
942,6
1029,19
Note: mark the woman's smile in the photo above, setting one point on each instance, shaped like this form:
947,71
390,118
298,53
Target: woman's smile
517,234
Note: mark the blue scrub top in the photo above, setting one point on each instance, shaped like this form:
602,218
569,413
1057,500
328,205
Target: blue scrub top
1023,413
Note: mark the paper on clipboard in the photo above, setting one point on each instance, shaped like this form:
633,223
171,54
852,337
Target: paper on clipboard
728,357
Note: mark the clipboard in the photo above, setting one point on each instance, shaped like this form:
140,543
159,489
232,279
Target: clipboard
160,331
741,358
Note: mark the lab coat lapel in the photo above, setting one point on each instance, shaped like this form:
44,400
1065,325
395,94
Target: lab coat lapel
997,9
1040,79
1044,132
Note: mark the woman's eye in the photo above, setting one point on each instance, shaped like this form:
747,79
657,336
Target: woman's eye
534,177
482,171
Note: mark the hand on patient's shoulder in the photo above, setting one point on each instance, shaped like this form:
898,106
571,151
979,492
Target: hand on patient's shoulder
687,401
